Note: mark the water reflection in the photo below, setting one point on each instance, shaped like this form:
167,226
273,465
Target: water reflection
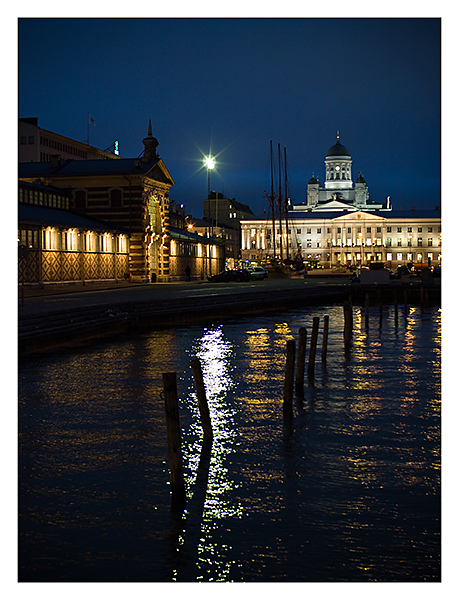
210,481
350,493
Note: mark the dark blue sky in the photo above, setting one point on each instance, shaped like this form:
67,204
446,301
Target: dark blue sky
232,85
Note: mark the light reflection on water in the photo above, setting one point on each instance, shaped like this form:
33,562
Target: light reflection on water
348,492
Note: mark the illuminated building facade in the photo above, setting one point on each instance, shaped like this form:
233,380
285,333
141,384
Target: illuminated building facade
132,195
330,239
57,245
339,225
339,191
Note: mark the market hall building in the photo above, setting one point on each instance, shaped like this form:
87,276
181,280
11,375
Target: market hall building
340,225
130,195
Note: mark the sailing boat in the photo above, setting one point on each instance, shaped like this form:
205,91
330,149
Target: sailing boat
282,264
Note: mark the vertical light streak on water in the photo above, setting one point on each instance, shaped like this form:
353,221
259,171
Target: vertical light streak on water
215,503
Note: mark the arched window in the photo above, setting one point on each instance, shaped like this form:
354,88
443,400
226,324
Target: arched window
80,199
116,198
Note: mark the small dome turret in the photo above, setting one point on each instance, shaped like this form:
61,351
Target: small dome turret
150,143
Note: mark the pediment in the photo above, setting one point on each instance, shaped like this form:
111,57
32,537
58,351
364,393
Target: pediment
159,172
359,215
334,205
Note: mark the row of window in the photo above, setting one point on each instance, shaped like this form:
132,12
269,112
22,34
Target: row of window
368,242
358,229
115,196
44,141
52,239
39,198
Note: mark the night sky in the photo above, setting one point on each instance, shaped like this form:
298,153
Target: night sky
229,86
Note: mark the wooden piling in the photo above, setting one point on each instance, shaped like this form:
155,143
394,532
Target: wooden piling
173,439
405,298
325,338
289,377
202,398
395,308
367,307
300,360
313,347
380,308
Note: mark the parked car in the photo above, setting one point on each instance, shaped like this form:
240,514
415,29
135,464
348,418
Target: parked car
257,272
231,275
399,271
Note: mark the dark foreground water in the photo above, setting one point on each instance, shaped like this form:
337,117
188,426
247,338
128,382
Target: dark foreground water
349,491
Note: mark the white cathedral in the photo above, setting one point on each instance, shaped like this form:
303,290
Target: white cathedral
339,192
339,225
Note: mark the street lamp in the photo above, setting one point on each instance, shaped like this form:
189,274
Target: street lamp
210,165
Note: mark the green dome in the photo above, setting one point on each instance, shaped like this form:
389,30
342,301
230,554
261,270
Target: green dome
338,150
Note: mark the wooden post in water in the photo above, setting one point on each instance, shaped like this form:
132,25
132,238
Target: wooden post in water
367,307
289,377
300,360
173,439
395,308
325,338
313,347
202,398
405,297
380,308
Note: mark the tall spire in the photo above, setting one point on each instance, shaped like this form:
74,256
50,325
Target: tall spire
150,143
337,135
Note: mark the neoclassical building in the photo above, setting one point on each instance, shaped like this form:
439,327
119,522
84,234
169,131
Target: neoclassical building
339,191
340,225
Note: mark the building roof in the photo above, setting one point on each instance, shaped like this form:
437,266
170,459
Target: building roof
330,215
44,188
338,150
184,234
55,217
76,168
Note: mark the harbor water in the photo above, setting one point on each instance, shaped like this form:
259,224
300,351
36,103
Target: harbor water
347,491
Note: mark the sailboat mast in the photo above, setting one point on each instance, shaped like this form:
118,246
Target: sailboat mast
279,203
272,201
286,200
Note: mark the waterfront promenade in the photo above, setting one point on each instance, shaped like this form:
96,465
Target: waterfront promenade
74,313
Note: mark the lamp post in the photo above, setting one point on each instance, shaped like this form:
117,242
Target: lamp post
210,165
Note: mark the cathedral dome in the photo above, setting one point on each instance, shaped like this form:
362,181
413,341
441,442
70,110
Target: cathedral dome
313,181
338,150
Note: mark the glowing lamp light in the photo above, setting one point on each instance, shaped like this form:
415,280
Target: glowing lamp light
210,162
